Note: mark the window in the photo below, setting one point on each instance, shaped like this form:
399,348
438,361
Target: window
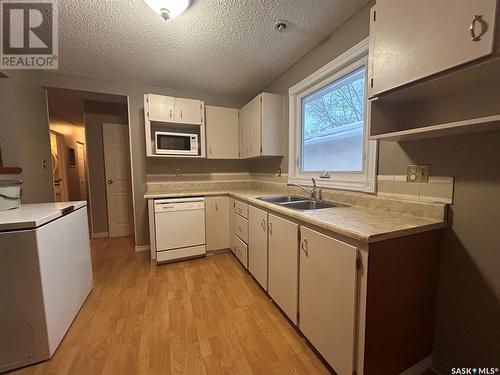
328,126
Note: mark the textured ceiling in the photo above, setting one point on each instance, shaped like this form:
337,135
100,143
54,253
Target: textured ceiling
220,46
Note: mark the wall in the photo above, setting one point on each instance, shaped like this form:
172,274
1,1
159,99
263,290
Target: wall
24,135
347,35
26,95
95,114
467,328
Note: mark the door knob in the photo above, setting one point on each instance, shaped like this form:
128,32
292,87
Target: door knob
110,182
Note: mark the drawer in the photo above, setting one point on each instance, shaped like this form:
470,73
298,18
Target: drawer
241,251
241,208
241,227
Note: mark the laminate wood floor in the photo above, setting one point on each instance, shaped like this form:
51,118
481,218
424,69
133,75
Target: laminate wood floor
204,316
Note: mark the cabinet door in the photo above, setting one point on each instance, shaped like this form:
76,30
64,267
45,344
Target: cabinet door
222,132
188,111
283,265
257,244
255,124
327,294
217,222
244,122
411,39
160,108
272,108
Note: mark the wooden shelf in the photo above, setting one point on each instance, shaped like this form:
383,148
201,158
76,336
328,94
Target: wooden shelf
480,124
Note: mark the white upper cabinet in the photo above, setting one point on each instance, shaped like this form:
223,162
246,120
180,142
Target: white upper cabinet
410,40
222,132
160,108
188,111
261,126
179,110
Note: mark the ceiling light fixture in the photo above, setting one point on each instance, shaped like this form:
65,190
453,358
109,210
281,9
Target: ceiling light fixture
168,8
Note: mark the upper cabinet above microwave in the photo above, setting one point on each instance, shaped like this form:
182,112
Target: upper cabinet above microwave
174,127
411,40
177,110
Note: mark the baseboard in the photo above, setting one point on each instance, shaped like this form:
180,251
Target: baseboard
419,367
140,248
100,235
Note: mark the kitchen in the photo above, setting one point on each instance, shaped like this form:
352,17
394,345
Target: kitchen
438,117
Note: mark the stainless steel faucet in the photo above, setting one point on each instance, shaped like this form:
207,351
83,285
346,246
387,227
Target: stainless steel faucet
312,192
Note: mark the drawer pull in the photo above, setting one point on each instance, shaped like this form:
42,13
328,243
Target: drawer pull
472,28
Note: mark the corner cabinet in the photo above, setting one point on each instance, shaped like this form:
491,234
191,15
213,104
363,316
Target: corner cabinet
261,126
217,223
222,132
434,68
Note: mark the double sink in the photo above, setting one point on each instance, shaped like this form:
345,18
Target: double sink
298,203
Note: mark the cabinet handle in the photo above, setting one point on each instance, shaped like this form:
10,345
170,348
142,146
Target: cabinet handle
216,207
210,151
181,113
170,113
304,248
472,28
263,224
270,228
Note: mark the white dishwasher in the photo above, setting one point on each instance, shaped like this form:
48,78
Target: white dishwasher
179,228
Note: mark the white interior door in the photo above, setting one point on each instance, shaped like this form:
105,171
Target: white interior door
80,164
117,170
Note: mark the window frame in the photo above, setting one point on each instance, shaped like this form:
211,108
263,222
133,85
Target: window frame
348,62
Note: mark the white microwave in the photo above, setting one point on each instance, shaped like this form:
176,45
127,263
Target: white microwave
169,143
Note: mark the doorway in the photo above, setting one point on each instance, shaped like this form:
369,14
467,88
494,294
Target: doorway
86,155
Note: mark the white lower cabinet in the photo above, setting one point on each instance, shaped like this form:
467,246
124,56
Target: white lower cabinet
283,265
217,223
257,244
231,224
327,295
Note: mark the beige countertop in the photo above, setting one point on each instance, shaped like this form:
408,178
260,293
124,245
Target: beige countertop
359,223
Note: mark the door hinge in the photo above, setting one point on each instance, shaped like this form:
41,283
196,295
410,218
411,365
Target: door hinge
358,261
374,15
147,113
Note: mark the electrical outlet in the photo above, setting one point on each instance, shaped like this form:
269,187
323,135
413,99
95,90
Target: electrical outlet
178,172
417,173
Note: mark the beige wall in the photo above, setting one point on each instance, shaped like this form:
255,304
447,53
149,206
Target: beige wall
26,97
97,113
468,316
25,133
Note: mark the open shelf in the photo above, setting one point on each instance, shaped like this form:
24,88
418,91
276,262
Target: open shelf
461,101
